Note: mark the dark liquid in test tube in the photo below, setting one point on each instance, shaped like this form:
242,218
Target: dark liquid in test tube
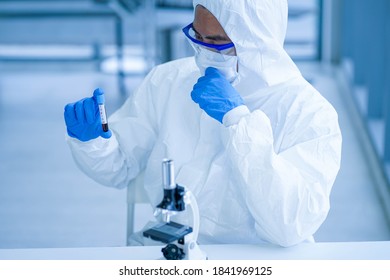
105,127
103,117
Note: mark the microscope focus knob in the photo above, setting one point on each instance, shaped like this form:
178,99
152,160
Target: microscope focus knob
172,252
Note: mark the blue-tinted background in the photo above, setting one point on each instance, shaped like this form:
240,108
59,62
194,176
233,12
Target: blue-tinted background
56,52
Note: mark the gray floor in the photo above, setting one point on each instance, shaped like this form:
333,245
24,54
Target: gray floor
45,201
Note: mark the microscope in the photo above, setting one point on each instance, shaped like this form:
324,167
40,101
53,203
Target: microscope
181,239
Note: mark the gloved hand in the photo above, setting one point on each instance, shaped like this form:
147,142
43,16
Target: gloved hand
82,119
215,95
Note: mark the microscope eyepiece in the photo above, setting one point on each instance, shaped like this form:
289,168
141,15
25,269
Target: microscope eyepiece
168,173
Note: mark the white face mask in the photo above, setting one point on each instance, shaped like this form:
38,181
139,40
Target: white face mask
226,64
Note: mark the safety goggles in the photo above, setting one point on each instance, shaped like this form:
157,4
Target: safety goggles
226,49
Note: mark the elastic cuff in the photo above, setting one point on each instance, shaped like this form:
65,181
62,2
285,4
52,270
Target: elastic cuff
93,144
234,116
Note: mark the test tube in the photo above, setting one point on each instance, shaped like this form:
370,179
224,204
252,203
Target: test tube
102,110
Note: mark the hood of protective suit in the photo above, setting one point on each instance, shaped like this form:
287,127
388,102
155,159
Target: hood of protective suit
257,29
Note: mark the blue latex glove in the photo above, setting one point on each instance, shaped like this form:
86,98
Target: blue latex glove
215,95
82,118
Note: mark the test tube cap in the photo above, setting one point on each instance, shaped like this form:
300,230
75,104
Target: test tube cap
99,95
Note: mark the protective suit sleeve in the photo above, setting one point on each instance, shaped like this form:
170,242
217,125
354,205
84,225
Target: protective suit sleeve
287,192
114,162
234,115
103,161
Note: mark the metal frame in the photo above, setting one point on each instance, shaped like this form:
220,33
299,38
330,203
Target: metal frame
53,10
366,41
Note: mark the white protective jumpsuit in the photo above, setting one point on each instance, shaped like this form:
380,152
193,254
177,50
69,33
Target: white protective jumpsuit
265,178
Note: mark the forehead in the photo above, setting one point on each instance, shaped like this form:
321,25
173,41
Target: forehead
206,22
202,12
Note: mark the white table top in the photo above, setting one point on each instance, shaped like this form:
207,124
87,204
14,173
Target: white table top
379,250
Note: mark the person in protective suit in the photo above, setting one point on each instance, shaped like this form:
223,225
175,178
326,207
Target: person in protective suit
256,144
